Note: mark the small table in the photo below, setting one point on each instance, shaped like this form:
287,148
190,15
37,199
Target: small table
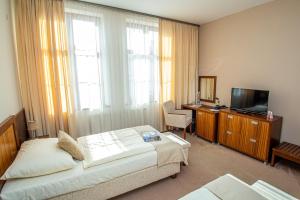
286,151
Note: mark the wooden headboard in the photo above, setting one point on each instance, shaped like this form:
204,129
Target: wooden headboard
13,131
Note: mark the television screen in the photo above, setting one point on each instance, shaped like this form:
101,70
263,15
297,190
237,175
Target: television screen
249,101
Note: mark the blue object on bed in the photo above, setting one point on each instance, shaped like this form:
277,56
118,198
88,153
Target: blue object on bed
151,136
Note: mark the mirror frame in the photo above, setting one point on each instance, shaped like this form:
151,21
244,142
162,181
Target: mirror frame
215,88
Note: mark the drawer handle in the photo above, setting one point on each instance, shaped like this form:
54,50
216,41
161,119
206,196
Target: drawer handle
230,116
229,132
252,140
254,122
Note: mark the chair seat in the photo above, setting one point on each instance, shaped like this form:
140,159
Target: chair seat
177,118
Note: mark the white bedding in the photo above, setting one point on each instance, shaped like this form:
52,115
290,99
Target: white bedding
108,146
271,192
200,194
116,164
229,187
44,187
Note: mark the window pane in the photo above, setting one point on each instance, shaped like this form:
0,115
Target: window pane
95,99
84,95
141,69
86,45
136,41
87,69
85,34
142,45
89,96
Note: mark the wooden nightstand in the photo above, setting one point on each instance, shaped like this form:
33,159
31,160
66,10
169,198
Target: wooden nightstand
206,123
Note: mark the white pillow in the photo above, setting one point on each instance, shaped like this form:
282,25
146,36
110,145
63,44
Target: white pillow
39,157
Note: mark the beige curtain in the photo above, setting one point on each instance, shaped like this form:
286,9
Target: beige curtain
43,64
178,62
167,60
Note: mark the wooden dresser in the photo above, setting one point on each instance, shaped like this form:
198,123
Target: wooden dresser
206,123
253,135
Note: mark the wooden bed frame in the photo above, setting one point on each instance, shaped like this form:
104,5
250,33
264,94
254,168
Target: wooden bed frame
13,132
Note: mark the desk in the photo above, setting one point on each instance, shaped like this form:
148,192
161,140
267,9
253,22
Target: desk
194,108
205,121
191,106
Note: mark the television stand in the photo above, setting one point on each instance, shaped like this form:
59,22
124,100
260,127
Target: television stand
251,134
248,112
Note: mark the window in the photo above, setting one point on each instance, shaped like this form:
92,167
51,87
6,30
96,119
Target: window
86,59
99,50
142,47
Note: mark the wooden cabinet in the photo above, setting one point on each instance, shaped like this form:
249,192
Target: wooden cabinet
250,134
206,123
254,138
230,130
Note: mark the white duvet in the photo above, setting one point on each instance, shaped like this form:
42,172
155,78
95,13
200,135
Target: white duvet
228,187
113,145
78,178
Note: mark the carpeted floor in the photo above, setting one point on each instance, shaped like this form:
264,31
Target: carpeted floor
208,161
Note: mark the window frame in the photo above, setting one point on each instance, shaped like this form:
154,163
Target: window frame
74,55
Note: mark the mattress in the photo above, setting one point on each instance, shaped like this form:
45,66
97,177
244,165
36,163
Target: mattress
78,178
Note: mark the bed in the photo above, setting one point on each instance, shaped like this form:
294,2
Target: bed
228,187
102,181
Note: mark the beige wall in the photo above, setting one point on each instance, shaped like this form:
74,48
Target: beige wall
258,48
9,94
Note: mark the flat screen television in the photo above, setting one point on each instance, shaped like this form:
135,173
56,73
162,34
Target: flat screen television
249,101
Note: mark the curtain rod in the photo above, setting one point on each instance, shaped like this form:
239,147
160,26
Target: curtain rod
136,12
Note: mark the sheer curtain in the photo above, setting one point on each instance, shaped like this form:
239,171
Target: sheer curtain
115,69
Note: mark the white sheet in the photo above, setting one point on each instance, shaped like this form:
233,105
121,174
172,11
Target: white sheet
228,187
200,194
44,187
271,192
262,188
108,146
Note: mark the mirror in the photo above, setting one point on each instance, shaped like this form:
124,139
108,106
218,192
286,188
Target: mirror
207,88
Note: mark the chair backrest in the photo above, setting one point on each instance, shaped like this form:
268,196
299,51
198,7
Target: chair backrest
168,107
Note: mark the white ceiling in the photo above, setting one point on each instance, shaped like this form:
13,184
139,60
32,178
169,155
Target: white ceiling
193,11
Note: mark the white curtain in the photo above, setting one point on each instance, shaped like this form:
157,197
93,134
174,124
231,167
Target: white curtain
115,69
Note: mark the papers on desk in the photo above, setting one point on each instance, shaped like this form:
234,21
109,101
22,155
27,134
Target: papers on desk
214,110
195,106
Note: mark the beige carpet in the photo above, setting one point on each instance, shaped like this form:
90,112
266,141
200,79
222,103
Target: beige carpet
208,161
